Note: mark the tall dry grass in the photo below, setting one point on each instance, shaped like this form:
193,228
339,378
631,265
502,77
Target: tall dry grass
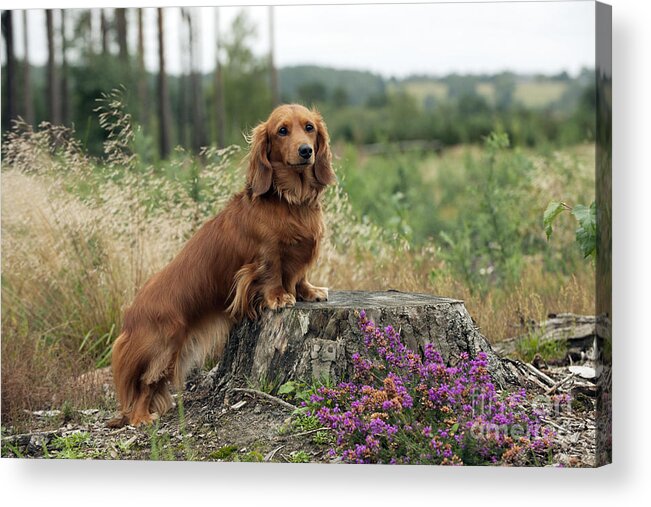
79,237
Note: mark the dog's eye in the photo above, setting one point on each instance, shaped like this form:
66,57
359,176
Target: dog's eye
309,127
282,131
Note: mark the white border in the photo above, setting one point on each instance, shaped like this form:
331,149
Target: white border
26,482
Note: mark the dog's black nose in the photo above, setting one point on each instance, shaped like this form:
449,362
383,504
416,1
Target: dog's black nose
305,151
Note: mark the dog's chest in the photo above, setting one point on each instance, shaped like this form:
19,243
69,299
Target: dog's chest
300,234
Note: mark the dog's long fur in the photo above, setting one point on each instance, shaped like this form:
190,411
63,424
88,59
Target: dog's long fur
255,254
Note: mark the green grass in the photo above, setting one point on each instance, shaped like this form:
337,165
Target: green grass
304,422
69,447
11,451
527,348
299,457
99,346
161,445
323,438
125,446
250,457
224,453
231,453
264,384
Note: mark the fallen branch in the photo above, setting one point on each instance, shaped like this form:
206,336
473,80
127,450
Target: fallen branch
558,384
266,396
547,421
303,433
270,455
539,374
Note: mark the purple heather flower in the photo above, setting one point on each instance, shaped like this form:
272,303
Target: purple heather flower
399,399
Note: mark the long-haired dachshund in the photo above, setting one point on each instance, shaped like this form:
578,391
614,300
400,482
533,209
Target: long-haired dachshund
255,254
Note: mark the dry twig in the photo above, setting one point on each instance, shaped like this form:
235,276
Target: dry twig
255,392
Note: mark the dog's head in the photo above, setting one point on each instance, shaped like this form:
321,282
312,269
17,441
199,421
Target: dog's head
292,141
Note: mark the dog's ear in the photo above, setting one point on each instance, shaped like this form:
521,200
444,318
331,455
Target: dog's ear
323,159
259,175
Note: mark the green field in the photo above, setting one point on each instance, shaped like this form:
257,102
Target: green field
535,94
539,94
423,89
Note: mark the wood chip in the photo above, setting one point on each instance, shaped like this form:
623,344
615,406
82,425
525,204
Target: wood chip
539,374
238,405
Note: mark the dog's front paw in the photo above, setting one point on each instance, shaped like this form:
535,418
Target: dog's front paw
279,299
310,293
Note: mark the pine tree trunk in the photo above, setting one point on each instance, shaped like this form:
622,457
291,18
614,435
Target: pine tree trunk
275,96
121,28
219,89
65,92
182,108
316,340
8,34
163,92
143,88
104,32
198,136
28,101
53,95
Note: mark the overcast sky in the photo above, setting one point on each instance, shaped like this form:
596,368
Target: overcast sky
393,40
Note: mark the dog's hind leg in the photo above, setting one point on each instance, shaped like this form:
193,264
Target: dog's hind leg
141,413
207,339
161,400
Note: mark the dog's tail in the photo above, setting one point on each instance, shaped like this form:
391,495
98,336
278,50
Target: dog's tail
141,364
127,370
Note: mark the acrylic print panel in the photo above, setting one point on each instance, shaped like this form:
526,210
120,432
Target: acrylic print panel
440,173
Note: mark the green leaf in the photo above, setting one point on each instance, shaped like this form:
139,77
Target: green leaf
586,233
447,239
287,388
497,141
584,214
553,210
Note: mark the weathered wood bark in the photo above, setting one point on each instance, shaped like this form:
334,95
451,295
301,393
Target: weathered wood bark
578,331
318,339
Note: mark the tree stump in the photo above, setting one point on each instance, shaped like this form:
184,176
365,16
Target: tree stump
316,340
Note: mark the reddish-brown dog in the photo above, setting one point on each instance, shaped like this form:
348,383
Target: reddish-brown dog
254,254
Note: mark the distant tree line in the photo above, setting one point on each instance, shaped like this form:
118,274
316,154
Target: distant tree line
89,55
365,109
192,109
